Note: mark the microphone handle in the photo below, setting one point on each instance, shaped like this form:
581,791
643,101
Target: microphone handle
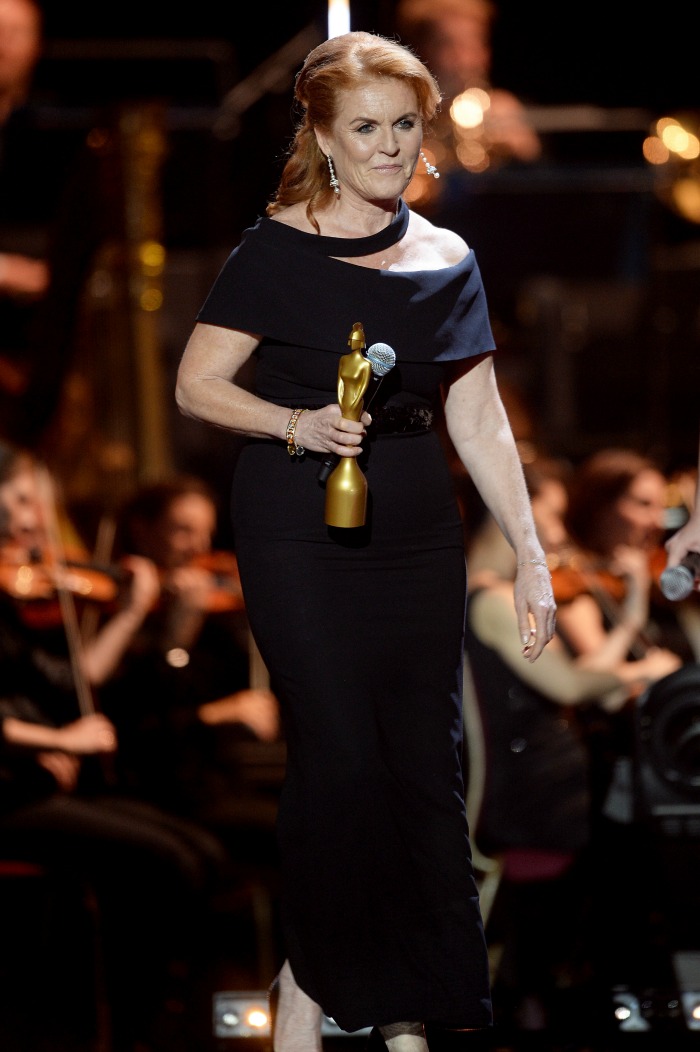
332,460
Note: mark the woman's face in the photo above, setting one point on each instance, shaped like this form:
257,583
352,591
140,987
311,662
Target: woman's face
549,510
638,519
375,139
21,521
185,531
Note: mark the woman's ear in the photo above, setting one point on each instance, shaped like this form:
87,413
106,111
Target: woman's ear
322,142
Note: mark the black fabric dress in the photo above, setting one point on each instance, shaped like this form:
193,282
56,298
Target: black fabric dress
362,631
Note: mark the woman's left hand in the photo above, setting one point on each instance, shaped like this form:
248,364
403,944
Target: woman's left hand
535,607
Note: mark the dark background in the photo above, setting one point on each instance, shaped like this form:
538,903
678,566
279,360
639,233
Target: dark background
592,281
612,54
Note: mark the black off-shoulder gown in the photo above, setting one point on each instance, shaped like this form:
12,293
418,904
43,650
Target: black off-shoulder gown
362,632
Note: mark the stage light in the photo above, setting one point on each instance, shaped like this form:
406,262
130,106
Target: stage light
628,1012
686,964
672,148
338,17
691,1009
241,1014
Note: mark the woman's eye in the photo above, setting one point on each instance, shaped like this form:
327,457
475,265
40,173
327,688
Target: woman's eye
364,128
406,123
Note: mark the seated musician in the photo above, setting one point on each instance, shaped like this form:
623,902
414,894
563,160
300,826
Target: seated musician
541,785
153,873
186,693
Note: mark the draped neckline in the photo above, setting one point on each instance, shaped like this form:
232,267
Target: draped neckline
354,246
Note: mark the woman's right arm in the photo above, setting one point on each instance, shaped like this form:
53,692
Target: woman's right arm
206,389
206,386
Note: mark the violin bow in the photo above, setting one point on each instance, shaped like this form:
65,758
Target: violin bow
56,553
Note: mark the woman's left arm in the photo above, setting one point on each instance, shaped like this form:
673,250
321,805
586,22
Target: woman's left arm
479,429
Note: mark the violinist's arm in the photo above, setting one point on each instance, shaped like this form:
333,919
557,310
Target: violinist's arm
555,674
256,708
89,734
606,646
101,656
581,623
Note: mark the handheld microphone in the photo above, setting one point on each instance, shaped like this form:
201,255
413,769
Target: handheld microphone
677,582
382,359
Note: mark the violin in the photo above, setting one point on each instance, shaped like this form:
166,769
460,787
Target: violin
37,581
225,594
574,573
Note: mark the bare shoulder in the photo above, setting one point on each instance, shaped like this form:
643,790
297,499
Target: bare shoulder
294,215
443,242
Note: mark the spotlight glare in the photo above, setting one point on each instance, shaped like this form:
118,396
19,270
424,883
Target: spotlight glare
691,1009
675,138
654,150
338,18
467,110
257,1018
628,1012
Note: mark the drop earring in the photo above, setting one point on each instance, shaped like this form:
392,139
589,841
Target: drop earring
334,180
431,169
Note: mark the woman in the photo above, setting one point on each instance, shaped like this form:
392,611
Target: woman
615,517
361,628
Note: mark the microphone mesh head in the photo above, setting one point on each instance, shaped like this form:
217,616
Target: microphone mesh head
677,582
381,357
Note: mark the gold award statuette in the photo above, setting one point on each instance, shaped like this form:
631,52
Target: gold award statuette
346,488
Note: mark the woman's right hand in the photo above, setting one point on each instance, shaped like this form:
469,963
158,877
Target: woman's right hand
657,663
144,586
328,431
90,734
632,565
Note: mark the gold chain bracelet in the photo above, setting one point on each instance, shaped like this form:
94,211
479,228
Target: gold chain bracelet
292,448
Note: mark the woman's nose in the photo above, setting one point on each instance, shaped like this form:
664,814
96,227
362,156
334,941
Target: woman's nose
389,144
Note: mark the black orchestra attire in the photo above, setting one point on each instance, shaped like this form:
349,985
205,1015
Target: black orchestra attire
362,629
153,873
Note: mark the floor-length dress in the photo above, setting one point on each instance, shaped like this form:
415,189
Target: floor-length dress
362,629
